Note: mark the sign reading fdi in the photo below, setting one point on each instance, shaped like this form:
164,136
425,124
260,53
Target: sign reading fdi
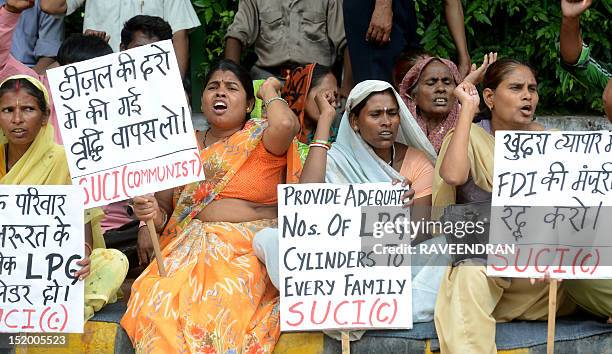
41,239
328,280
126,124
552,193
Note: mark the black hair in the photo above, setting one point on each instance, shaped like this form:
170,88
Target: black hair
151,26
496,73
318,73
80,47
241,73
357,109
31,89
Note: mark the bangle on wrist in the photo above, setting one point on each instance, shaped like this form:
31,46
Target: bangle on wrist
277,98
164,220
324,146
324,142
88,247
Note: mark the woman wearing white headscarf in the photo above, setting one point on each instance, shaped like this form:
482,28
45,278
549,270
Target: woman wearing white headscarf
378,141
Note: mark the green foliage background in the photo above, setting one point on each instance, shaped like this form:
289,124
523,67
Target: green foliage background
527,30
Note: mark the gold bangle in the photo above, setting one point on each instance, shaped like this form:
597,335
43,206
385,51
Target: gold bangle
319,145
324,142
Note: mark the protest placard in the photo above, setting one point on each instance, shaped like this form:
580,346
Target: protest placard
330,279
126,124
41,239
551,198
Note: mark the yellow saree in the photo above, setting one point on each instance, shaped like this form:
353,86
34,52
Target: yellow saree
480,154
217,297
44,163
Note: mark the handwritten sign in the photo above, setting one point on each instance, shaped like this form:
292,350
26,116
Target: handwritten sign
552,193
329,280
126,124
41,239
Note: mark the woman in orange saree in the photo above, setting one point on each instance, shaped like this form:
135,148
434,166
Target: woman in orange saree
217,296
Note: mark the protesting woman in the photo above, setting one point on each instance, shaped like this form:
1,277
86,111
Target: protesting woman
217,296
378,141
427,89
29,156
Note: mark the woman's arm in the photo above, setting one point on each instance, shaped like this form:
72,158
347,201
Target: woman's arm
283,125
156,207
420,212
159,208
314,166
455,167
84,263
570,39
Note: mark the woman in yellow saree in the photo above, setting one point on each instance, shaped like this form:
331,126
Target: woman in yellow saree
217,296
29,156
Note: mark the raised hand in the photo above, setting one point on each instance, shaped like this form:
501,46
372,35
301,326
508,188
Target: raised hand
326,102
17,6
574,8
476,75
467,94
270,87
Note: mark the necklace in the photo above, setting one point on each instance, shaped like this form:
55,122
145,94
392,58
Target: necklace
390,163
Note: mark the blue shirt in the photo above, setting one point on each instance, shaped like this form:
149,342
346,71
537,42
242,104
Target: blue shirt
37,35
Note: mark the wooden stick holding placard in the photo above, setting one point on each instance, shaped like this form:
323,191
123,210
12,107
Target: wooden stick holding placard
346,343
552,312
155,241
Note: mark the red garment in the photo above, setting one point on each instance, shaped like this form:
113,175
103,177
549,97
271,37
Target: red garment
295,92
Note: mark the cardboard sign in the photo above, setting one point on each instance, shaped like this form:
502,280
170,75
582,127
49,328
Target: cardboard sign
331,278
126,124
552,193
41,239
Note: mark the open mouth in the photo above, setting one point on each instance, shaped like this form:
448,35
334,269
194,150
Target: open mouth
19,132
219,107
527,110
386,134
440,101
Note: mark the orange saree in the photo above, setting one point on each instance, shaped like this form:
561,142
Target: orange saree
217,297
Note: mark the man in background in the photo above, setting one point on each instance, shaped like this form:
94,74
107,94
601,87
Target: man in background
107,16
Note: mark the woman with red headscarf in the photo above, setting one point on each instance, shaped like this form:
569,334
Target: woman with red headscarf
427,90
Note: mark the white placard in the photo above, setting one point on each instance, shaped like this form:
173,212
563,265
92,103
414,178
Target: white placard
328,280
551,199
126,124
41,239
